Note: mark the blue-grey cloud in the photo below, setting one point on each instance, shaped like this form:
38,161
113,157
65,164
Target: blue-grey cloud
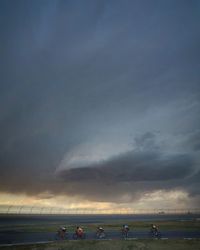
131,166
133,174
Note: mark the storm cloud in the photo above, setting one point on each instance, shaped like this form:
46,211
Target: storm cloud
131,175
99,95
134,167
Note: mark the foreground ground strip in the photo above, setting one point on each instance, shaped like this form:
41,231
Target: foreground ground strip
153,244
180,233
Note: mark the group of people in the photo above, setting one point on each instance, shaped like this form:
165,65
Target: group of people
100,233
62,233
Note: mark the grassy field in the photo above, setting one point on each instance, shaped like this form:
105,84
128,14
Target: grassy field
134,225
114,245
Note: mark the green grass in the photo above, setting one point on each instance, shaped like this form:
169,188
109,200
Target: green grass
134,225
114,245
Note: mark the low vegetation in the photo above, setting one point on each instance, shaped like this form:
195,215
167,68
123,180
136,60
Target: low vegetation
114,245
134,225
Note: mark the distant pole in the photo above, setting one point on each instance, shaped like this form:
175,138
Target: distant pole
60,210
8,210
50,211
20,208
31,209
41,210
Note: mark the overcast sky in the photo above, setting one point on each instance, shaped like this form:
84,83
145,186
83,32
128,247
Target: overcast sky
100,100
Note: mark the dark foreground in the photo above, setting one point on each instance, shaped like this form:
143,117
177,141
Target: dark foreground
18,229
112,245
35,237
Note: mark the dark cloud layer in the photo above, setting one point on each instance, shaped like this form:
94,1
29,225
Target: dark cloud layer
100,72
131,174
132,167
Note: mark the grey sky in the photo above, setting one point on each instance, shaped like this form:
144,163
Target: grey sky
95,88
